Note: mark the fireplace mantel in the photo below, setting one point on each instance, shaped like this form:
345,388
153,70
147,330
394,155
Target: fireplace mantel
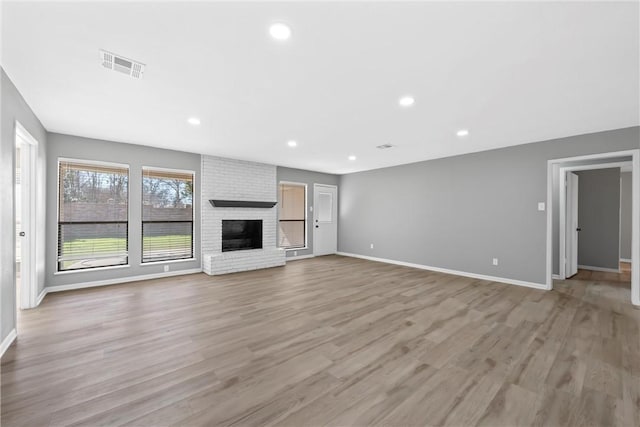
241,204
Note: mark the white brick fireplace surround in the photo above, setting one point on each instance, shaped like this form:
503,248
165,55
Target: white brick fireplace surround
227,179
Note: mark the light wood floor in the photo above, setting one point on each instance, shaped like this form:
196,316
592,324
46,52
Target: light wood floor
327,341
590,275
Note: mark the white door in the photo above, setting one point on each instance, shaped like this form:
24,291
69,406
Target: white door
25,218
572,228
325,219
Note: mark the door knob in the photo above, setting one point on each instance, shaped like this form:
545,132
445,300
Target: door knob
22,234
317,226
578,229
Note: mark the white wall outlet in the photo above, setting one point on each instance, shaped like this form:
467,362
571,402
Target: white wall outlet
541,206
372,246
166,268
495,261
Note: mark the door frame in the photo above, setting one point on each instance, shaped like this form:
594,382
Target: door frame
553,167
564,217
563,205
313,220
28,288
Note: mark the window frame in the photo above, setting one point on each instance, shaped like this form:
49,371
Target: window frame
193,215
306,214
89,162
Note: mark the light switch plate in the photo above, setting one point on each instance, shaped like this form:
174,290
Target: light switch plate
541,206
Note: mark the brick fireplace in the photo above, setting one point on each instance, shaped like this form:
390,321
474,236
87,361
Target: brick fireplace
228,179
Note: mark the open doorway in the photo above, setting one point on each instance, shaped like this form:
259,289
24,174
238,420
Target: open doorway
26,148
591,222
585,216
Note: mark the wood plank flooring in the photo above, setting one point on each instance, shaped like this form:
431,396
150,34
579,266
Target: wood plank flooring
623,276
327,341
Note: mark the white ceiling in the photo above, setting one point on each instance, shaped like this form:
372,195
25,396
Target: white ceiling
511,73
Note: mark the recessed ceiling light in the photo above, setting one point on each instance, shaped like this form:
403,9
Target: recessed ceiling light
292,143
406,101
462,132
193,121
280,31
352,158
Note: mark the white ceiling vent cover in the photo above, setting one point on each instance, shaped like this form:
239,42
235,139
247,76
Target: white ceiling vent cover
384,146
121,64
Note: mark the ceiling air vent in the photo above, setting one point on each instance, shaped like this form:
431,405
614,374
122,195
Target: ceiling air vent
121,64
384,146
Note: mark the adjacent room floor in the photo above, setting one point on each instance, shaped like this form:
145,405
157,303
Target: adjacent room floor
327,341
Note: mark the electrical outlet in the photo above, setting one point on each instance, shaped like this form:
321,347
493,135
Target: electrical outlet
372,246
295,253
495,261
166,268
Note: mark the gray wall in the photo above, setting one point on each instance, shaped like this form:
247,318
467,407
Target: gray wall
599,218
460,212
13,107
136,156
625,215
309,178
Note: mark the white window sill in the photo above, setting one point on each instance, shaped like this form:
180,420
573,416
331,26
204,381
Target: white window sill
296,249
171,261
85,270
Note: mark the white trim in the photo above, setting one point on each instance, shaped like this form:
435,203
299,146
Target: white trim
304,248
29,161
23,133
607,270
122,280
553,165
93,162
299,257
562,231
610,154
170,261
448,271
556,277
635,229
6,343
169,170
41,296
84,270
625,260
595,166
551,168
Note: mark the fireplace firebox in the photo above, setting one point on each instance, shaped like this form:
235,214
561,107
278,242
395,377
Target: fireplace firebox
241,234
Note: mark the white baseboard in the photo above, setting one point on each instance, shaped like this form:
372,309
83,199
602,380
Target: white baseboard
296,258
8,341
606,270
119,280
555,277
448,271
41,296
625,260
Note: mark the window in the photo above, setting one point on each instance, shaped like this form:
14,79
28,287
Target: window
167,215
92,215
292,209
